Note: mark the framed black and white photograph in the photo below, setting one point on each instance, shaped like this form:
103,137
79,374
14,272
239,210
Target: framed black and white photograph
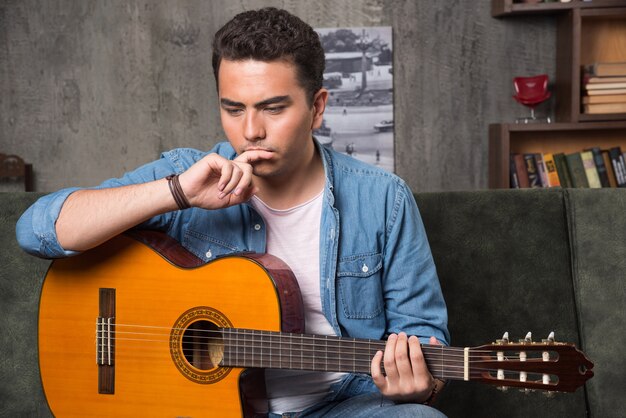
359,77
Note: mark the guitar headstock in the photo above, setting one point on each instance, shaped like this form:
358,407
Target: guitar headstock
545,365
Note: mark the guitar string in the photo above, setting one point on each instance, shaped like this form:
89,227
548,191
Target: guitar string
450,372
325,339
239,349
285,337
286,344
363,364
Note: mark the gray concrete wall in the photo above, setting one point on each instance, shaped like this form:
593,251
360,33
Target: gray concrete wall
89,89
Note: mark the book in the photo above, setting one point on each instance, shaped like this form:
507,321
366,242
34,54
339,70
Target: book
617,161
576,170
551,173
593,80
561,169
514,182
520,168
601,69
541,167
605,98
533,172
596,108
601,86
605,92
610,173
600,166
590,170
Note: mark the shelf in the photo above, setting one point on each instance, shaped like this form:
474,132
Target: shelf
505,139
551,127
586,36
503,8
587,33
591,117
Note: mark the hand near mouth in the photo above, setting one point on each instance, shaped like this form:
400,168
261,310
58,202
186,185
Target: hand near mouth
215,182
254,155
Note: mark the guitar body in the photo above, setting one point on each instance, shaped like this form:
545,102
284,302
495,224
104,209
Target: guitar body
148,373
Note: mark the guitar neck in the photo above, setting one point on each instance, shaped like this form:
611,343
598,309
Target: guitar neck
277,350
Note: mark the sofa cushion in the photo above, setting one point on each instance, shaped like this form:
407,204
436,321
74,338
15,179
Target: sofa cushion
597,221
503,260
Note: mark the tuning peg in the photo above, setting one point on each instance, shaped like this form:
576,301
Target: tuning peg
504,339
550,338
528,338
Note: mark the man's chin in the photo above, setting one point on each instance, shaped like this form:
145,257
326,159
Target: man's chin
263,169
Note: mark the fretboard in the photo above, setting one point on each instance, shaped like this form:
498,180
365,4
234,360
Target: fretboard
277,350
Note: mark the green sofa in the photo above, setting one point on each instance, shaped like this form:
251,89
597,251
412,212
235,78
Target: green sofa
509,260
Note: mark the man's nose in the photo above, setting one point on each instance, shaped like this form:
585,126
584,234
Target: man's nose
254,128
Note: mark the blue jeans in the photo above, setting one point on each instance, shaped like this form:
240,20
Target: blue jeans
358,397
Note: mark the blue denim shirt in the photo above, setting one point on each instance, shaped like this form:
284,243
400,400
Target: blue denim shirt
377,274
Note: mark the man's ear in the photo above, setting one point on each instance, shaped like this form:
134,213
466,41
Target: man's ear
319,105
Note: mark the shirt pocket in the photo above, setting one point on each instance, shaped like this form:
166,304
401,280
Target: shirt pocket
207,247
360,287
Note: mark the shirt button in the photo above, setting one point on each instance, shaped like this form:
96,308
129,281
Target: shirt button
257,227
209,254
364,269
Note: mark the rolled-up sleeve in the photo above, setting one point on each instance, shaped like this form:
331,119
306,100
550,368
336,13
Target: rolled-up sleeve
36,231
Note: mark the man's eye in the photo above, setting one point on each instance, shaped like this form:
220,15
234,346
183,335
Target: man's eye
275,109
233,112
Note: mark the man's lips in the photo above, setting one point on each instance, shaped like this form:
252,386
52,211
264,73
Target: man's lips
258,149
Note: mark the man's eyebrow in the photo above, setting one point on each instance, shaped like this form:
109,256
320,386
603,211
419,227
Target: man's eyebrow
228,102
272,100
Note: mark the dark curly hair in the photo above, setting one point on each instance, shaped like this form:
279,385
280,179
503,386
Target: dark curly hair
271,34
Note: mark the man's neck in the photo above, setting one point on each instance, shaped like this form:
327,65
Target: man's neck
297,187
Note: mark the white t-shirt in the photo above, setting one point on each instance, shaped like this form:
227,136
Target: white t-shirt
293,235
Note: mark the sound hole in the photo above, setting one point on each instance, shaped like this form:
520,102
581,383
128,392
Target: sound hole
202,345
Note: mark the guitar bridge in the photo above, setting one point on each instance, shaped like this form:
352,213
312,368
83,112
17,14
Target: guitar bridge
105,342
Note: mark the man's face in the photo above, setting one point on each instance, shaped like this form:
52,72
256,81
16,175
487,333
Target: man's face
263,107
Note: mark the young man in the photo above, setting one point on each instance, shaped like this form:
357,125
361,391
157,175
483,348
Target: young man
351,233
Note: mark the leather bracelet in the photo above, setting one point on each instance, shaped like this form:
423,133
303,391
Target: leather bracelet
433,395
177,192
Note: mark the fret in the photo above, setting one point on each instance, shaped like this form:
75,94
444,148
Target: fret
354,355
313,353
291,342
266,348
326,353
333,359
252,348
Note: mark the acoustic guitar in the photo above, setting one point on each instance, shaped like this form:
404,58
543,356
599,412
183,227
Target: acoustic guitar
139,326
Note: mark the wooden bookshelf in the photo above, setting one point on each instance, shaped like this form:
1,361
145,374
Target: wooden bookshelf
505,139
503,8
587,32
